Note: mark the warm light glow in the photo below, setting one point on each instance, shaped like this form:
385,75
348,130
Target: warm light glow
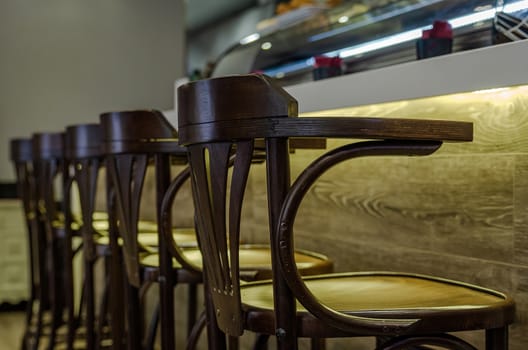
343,19
266,46
459,106
472,19
377,44
516,6
487,91
249,39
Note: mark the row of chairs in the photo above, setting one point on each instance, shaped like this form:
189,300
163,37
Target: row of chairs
225,126
119,236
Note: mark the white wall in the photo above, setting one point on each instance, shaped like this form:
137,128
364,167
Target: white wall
65,61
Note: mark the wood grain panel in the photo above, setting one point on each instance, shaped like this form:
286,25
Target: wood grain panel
520,211
437,203
499,117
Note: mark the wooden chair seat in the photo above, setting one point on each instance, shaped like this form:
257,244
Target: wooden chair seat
441,305
148,238
255,262
59,230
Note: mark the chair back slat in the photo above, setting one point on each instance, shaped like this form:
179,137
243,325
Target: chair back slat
127,172
218,224
48,164
84,156
131,141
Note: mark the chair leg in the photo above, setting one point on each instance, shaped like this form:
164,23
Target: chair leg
57,281
42,300
89,292
497,339
134,318
194,335
192,307
261,343
215,337
150,337
29,319
318,343
103,318
116,290
233,343
69,294
33,340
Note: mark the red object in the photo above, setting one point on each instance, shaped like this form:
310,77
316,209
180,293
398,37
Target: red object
325,61
441,29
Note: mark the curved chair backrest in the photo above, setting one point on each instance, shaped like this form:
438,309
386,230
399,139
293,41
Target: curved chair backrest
48,150
130,141
218,122
21,151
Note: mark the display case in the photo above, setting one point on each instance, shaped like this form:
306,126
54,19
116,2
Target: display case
364,34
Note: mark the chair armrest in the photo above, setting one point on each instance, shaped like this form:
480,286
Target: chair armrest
328,127
165,225
283,243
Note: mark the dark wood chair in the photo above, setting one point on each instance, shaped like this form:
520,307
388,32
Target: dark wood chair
84,159
219,119
21,151
131,141
49,170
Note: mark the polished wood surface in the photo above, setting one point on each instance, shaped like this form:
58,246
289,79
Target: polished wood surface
441,306
248,120
358,127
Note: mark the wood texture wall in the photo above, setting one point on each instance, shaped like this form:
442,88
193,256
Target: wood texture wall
461,213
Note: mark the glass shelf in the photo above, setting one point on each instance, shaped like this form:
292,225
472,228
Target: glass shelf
365,34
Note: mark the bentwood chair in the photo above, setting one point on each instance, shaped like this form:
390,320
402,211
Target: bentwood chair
51,180
84,157
220,119
38,299
131,140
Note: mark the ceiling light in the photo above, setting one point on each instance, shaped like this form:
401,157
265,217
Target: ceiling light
266,46
249,39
